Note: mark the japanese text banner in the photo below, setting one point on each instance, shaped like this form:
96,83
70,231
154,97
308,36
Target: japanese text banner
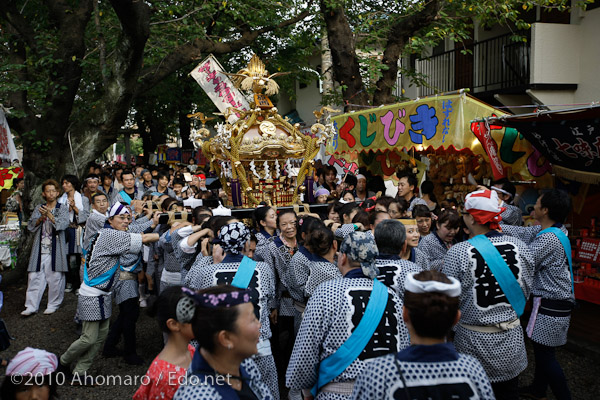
440,121
209,75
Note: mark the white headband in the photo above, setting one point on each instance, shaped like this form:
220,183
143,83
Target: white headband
497,189
118,209
415,286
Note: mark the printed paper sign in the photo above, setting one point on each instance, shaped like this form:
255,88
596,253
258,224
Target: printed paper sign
209,75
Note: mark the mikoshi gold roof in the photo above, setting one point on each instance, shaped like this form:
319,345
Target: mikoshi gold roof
260,138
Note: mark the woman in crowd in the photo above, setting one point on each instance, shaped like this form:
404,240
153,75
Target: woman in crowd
258,277
79,210
118,180
321,196
329,175
412,252
347,196
265,221
227,332
346,213
362,218
423,217
427,195
331,214
322,265
278,254
174,312
382,203
390,237
30,375
397,208
300,263
436,244
422,370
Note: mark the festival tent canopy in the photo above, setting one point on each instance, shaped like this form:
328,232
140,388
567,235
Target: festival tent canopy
440,122
569,139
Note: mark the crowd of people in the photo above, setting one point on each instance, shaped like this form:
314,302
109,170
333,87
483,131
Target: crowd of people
368,297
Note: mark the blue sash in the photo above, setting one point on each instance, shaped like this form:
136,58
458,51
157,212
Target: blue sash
244,274
564,240
83,256
349,351
99,280
125,196
507,281
133,267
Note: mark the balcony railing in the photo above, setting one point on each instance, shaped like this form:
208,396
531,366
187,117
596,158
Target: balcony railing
492,64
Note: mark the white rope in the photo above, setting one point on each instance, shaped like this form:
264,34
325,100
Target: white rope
72,154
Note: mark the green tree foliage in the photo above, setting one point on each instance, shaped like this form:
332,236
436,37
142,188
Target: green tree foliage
403,27
71,70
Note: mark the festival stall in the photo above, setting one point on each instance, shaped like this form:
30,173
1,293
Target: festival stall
9,227
569,139
437,134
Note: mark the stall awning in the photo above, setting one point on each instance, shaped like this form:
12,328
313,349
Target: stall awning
569,139
440,122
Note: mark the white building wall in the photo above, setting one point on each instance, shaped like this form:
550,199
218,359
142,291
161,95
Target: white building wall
589,87
567,54
555,53
308,100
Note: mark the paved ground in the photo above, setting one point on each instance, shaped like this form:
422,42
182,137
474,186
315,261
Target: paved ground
581,360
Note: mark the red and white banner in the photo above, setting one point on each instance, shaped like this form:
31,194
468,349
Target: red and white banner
482,132
209,75
8,150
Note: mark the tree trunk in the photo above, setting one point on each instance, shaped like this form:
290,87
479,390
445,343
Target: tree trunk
152,134
397,39
326,65
56,142
127,140
346,68
185,130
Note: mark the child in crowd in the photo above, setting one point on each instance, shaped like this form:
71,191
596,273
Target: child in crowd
174,312
30,375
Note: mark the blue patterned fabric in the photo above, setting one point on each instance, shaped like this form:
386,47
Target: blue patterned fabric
361,247
233,237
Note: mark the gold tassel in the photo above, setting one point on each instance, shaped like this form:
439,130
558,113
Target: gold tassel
575,175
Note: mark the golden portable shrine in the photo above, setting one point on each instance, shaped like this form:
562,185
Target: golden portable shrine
261,156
